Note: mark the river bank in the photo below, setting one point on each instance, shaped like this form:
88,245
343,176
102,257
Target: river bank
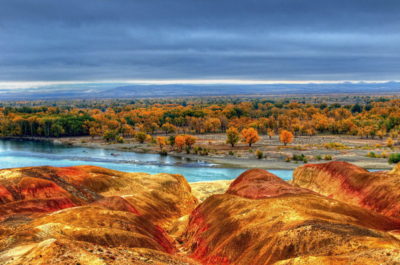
355,152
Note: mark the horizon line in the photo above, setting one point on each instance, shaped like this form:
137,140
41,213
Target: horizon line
37,84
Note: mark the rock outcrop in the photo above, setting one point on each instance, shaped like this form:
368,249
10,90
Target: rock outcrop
396,169
259,184
376,191
264,220
203,190
36,190
90,215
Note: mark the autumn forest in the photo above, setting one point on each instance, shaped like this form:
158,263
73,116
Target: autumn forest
141,120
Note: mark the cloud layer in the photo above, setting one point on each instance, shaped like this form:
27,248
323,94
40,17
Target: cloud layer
47,40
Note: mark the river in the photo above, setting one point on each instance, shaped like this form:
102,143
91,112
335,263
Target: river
23,153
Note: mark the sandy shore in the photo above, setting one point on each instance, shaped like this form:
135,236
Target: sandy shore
357,157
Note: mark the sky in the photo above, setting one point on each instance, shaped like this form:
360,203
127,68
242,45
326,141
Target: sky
48,41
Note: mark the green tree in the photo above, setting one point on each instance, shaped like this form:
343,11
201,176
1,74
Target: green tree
232,136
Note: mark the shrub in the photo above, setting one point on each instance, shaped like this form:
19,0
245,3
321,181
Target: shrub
298,147
318,157
327,157
204,152
110,136
374,155
259,154
197,149
394,158
163,152
231,153
301,157
336,146
141,137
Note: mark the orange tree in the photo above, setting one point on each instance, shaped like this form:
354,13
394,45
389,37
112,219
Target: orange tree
161,141
180,142
250,136
184,140
286,137
190,141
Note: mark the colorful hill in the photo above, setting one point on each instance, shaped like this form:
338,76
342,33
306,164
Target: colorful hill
90,215
376,191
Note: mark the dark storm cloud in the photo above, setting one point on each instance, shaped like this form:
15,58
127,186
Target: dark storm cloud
199,39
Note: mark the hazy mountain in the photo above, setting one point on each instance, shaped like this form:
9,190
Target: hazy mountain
120,90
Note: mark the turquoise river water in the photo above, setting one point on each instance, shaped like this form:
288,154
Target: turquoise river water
23,153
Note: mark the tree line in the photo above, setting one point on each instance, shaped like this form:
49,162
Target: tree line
379,118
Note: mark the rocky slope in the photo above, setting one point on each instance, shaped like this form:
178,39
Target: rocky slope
264,220
376,191
91,215
203,190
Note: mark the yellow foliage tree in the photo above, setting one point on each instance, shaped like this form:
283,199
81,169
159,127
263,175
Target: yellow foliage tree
168,128
161,141
184,140
232,136
286,137
180,142
190,140
250,136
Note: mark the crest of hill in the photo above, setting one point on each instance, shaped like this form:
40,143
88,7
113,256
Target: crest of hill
376,191
262,220
90,215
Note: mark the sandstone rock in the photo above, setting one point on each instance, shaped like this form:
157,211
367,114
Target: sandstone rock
34,190
203,190
285,224
259,184
90,215
377,191
67,252
396,169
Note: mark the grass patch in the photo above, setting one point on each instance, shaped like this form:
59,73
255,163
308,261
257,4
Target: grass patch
335,146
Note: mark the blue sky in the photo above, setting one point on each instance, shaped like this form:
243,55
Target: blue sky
44,41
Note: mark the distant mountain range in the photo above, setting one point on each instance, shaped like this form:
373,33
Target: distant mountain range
122,90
